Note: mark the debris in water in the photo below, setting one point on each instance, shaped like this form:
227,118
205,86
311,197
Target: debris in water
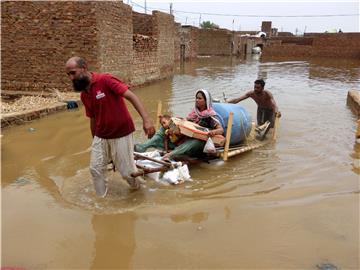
326,266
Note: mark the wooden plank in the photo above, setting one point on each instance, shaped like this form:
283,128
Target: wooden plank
144,170
159,109
140,156
228,136
276,127
245,149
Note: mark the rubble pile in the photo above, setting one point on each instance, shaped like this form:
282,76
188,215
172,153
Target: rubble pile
33,102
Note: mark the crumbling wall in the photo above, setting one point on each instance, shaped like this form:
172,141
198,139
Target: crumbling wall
214,42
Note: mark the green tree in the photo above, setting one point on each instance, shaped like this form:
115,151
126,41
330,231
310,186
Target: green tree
208,25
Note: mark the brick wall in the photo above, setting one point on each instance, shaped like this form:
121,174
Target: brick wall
115,38
164,32
214,42
345,45
266,27
177,29
145,66
38,37
294,40
189,36
287,50
143,24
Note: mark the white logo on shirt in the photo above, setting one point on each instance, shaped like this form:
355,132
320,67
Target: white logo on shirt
99,94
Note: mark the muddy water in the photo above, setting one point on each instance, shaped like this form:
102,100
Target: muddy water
293,204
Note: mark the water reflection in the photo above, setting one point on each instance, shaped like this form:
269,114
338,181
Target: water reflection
114,241
194,218
334,69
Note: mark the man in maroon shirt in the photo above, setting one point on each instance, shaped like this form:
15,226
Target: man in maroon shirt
267,108
110,122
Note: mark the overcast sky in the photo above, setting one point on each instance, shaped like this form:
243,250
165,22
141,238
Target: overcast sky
308,16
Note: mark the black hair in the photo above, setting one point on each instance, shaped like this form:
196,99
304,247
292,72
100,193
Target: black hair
202,94
80,62
166,116
261,82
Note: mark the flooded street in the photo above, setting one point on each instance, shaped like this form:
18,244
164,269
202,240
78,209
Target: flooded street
293,204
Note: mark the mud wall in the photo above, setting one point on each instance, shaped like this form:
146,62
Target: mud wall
214,42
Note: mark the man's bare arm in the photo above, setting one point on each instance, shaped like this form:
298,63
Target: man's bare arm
237,100
148,125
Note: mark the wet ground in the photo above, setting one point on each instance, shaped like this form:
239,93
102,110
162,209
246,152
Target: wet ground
293,204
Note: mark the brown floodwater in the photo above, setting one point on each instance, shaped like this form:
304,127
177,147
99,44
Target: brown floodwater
293,204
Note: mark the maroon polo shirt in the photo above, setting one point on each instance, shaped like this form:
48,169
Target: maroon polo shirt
104,101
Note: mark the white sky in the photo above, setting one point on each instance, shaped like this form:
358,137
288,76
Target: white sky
261,11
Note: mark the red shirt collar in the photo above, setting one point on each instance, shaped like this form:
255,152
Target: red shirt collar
94,77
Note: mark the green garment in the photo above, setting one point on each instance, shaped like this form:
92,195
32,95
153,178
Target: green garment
191,147
157,141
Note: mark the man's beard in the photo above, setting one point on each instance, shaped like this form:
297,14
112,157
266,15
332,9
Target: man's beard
81,83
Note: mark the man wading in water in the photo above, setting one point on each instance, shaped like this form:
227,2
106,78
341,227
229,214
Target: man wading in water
267,108
110,122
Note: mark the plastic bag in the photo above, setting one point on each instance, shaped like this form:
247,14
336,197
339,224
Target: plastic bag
209,147
177,175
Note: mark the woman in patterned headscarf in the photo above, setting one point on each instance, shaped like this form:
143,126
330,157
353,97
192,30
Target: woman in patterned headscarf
204,115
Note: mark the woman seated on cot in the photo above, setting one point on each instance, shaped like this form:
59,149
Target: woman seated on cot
202,114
